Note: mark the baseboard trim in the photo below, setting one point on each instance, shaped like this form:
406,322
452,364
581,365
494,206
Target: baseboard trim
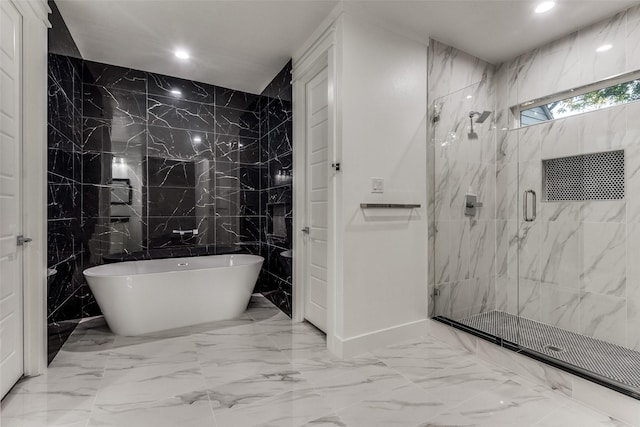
359,344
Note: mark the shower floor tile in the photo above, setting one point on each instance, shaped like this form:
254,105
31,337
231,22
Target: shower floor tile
263,370
608,360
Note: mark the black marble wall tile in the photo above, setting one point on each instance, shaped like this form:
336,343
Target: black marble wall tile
60,166
60,112
95,200
250,229
57,140
88,302
97,168
236,99
276,175
63,201
70,308
174,112
237,122
175,173
280,84
62,71
264,122
172,201
107,235
227,175
283,195
228,230
57,334
227,149
249,177
278,262
116,136
279,140
174,143
161,234
60,241
249,152
64,174
280,170
61,285
279,112
175,88
106,103
114,77
231,201
278,291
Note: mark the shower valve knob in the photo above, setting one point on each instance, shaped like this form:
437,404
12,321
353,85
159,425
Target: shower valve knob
470,204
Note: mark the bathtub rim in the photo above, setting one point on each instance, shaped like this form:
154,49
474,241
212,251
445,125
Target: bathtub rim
257,258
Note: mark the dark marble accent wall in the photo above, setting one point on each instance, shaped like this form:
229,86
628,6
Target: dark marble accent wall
171,166
136,158
65,290
276,179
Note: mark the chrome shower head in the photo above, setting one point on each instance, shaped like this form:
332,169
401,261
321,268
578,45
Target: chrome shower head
483,116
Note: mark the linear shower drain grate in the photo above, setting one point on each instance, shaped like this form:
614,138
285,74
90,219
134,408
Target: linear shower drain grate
554,348
603,358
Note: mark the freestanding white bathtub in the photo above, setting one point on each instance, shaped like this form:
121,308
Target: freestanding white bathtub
139,297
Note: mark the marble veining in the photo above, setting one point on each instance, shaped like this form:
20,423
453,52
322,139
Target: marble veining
194,157
276,173
257,370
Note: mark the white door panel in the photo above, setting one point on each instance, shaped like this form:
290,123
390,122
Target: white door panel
317,200
11,308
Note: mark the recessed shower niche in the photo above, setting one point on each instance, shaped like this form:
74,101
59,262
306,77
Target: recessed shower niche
595,176
277,229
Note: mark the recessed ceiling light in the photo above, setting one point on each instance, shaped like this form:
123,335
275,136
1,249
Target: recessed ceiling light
181,54
176,92
604,48
469,96
545,6
197,139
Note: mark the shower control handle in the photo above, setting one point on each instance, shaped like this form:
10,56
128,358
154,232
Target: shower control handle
470,204
525,205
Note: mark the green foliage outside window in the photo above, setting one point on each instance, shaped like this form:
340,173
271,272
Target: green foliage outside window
621,93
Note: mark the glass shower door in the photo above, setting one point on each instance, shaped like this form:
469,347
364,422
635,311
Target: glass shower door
465,208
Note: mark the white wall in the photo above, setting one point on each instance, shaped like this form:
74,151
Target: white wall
382,276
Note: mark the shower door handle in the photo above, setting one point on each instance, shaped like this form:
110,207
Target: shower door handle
525,207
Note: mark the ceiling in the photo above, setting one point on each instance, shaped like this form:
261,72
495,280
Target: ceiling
242,44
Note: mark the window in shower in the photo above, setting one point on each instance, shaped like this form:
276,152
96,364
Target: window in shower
607,93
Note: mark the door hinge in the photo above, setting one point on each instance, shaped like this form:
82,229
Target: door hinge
21,240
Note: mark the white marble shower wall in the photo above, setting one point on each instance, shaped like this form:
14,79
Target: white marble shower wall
578,264
464,247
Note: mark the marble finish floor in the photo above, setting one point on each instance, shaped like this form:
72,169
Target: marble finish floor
262,370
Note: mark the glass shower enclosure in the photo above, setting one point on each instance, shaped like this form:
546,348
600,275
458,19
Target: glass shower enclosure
535,230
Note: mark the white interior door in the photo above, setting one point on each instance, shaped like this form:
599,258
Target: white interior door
317,199
11,307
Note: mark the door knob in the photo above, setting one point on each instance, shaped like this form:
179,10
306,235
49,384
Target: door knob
21,240
305,230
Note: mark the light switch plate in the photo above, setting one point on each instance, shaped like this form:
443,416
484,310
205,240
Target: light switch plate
377,185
